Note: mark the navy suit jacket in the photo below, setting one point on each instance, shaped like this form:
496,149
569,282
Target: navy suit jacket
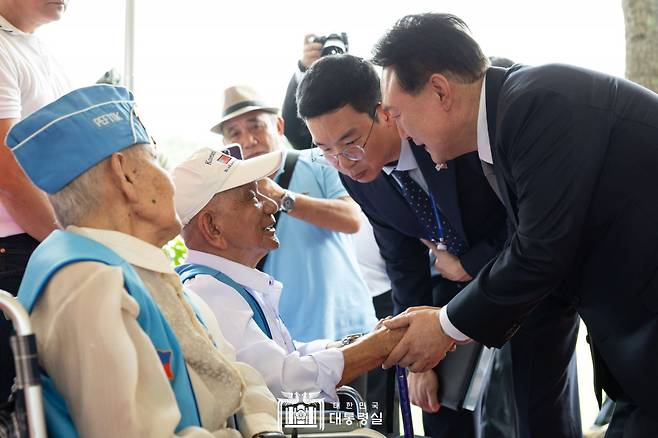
466,201
575,155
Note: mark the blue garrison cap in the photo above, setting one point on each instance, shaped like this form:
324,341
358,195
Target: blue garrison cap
59,142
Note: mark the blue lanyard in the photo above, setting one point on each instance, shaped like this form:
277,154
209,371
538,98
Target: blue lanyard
441,242
405,407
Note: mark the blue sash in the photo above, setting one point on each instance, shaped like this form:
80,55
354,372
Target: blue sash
62,248
190,270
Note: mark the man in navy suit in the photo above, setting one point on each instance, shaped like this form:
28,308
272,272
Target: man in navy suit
573,155
339,98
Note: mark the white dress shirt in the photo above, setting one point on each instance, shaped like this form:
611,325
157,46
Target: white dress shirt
484,151
407,162
286,365
484,143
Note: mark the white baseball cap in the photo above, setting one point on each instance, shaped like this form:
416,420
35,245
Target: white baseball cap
209,171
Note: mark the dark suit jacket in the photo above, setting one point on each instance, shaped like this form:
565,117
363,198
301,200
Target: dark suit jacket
464,198
576,158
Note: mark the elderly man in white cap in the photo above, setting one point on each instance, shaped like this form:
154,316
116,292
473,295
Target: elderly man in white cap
121,351
228,228
325,295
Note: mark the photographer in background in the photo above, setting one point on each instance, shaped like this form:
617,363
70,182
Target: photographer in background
314,48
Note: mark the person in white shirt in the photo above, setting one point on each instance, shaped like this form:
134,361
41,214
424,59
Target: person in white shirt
228,228
121,351
29,78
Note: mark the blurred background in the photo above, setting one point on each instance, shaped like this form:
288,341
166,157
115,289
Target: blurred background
186,53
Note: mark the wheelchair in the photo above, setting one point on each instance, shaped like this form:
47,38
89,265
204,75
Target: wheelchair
22,416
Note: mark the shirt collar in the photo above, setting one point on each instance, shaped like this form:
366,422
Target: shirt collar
9,28
407,160
484,143
248,277
135,251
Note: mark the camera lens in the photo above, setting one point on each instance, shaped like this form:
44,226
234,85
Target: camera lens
332,50
333,47
334,44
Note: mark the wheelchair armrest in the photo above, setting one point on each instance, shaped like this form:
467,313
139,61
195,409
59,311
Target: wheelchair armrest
28,378
348,396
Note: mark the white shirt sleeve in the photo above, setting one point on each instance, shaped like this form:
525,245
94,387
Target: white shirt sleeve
10,96
100,359
311,347
450,329
283,372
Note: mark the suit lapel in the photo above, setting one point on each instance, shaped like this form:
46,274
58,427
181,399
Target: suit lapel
495,77
443,186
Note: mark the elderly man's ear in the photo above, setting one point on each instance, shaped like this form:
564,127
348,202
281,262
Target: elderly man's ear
210,229
123,174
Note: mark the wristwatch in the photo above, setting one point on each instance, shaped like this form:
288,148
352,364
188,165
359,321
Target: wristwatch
287,201
347,340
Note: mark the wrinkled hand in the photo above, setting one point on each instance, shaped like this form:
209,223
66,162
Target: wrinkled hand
311,52
424,390
267,187
388,339
448,265
380,323
424,344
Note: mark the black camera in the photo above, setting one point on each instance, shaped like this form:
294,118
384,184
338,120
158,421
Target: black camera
333,44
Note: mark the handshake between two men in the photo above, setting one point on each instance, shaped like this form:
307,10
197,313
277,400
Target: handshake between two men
424,343
414,340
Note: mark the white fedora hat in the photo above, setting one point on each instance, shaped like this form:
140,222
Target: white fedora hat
238,100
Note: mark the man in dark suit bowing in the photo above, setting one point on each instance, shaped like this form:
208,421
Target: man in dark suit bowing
573,155
406,199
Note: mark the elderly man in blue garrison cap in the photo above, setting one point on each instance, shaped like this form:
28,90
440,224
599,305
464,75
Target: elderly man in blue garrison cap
121,351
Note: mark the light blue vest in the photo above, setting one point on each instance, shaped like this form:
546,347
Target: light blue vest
62,248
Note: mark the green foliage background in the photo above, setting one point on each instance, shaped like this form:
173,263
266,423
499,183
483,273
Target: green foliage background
175,250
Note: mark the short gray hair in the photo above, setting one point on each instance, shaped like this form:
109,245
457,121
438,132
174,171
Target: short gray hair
85,193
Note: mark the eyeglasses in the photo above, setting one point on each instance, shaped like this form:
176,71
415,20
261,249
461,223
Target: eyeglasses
253,127
353,152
